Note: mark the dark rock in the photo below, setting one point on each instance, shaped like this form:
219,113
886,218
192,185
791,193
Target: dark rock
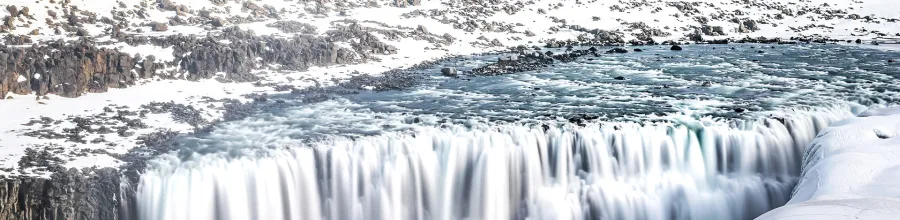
638,50
67,194
293,27
217,22
676,47
858,41
712,30
159,26
448,71
617,50
619,78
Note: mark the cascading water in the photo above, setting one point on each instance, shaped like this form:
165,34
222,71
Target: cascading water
600,171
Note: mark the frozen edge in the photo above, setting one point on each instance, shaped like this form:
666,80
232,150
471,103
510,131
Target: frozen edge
851,171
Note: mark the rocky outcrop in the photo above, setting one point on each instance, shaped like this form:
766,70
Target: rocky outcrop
746,25
69,69
68,194
712,30
245,52
293,27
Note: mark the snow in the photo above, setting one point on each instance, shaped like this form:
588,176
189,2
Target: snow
21,79
852,171
21,109
410,52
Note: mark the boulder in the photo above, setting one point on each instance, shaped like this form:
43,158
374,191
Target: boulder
676,47
217,22
617,50
448,71
159,26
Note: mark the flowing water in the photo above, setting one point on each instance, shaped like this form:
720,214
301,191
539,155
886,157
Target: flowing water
706,133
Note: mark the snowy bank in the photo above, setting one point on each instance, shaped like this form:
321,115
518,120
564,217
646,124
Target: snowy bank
851,171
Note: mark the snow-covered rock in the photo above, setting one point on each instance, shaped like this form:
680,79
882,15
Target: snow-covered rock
414,31
851,171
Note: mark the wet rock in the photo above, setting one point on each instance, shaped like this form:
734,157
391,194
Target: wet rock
676,47
619,78
617,50
858,41
638,50
448,71
527,62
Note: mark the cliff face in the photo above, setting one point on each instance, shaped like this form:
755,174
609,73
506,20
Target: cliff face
73,68
71,194
68,69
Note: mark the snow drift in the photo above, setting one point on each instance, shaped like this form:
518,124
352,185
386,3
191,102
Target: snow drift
851,171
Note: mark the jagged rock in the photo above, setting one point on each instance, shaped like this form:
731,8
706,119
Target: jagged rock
712,30
746,25
9,22
676,47
67,194
13,10
293,27
217,22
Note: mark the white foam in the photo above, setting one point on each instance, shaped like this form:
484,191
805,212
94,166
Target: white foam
613,171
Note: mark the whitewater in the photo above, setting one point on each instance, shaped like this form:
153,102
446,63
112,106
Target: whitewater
505,147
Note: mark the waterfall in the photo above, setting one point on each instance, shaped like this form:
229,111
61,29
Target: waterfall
676,170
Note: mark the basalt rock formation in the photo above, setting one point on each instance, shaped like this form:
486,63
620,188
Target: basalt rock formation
71,69
71,194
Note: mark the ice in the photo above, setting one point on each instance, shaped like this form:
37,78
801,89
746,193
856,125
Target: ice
851,170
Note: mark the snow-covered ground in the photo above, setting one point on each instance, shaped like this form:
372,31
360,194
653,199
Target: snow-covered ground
852,171
534,23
